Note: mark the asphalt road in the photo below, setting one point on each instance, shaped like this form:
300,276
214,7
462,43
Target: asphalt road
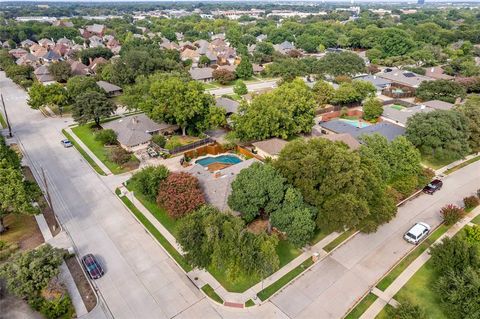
251,87
141,281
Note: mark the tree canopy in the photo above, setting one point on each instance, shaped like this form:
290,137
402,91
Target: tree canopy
92,106
443,90
343,63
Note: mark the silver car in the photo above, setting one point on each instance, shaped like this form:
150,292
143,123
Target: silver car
415,234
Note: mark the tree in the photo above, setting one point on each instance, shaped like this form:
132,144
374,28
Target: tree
106,137
244,69
323,92
203,60
440,134
28,273
288,110
80,84
407,310
180,194
394,42
89,54
147,180
14,195
61,71
471,110
372,109
443,90
343,63
119,155
257,190
8,157
294,218
223,76
346,94
240,88
451,214
92,105
453,255
52,95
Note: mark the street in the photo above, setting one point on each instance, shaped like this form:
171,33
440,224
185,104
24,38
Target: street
251,87
141,280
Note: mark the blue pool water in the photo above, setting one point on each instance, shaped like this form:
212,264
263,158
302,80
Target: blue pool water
223,159
356,123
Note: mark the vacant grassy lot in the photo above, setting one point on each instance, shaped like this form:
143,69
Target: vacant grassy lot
86,134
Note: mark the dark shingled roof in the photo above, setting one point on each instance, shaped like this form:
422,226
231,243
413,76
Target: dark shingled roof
389,130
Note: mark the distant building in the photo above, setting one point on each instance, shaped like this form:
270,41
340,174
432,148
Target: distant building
421,2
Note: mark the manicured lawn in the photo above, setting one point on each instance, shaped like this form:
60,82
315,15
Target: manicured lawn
395,272
22,234
419,289
286,252
86,134
3,124
156,233
433,163
210,86
384,313
362,306
159,213
249,303
280,283
240,284
476,220
84,154
318,236
234,96
470,161
340,239
208,290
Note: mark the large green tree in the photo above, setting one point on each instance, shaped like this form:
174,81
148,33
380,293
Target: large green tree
394,42
372,109
440,134
80,84
244,69
284,112
443,90
92,106
343,63
323,92
471,110
147,180
61,71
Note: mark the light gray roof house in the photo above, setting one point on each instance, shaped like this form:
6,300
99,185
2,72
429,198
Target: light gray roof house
400,115
136,129
438,105
346,138
109,88
201,74
380,83
271,147
230,106
406,78
389,130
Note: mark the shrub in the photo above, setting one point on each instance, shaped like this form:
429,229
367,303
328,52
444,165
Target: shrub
147,180
56,308
470,202
452,214
407,310
344,111
454,255
180,194
160,140
405,185
472,234
372,109
107,137
119,155
342,78
223,76
173,143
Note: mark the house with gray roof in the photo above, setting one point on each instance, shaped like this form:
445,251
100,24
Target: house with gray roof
27,43
378,82
269,148
43,75
387,129
135,132
438,105
51,56
345,138
284,47
400,114
403,77
109,88
201,74
261,37
230,106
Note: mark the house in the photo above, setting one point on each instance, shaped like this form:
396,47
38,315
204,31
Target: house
27,59
43,75
135,132
230,106
201,74
269,148
61,49
78,68
64,41
378,82
217,186
345,138
257,68
96,63
17,53
262,37
27,43
284,47
437,73
438,105
96,29
46,43
50,57
406,78
400,114
337,126
63,23
109,88
189,54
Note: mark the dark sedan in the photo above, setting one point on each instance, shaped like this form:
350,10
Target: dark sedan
92,266
434,186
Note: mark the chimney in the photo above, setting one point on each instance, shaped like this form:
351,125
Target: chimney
432,69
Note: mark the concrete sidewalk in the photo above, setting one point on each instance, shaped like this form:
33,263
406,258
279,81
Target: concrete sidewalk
102,166
456,163
387,295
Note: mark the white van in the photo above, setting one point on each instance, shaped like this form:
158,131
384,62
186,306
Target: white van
417,233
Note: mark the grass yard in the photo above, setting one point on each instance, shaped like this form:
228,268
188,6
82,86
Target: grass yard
280,283
434,163
384,313
249,303
22,232
318,236
470,161
156,233
476,220
240,284
286,252
397,270
340,239
84,154
419,289
86,134
362,306
208,290
3,123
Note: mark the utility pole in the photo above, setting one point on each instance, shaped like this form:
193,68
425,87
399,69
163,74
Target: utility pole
6,118
46,189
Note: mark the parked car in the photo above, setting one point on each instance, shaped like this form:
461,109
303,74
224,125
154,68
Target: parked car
434,186
92,266
417,233
66,143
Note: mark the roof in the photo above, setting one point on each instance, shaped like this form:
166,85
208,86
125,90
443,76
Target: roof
437,73
380,83
400,114
229,105
271,146
201,73
189,54
404,77
438,105
27,42
108,87
43,69
44,78
257,68
389,130
78,68
346,138
51,55
134,130
95,28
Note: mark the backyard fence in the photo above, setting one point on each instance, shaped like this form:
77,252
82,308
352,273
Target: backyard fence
399,102
184,148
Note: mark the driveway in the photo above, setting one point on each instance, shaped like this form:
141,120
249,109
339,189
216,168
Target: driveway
251,87
334,284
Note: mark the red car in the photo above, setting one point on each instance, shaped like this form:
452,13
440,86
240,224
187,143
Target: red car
92,266
434,186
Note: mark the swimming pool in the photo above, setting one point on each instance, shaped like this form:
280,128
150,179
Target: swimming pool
222,159
356,123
